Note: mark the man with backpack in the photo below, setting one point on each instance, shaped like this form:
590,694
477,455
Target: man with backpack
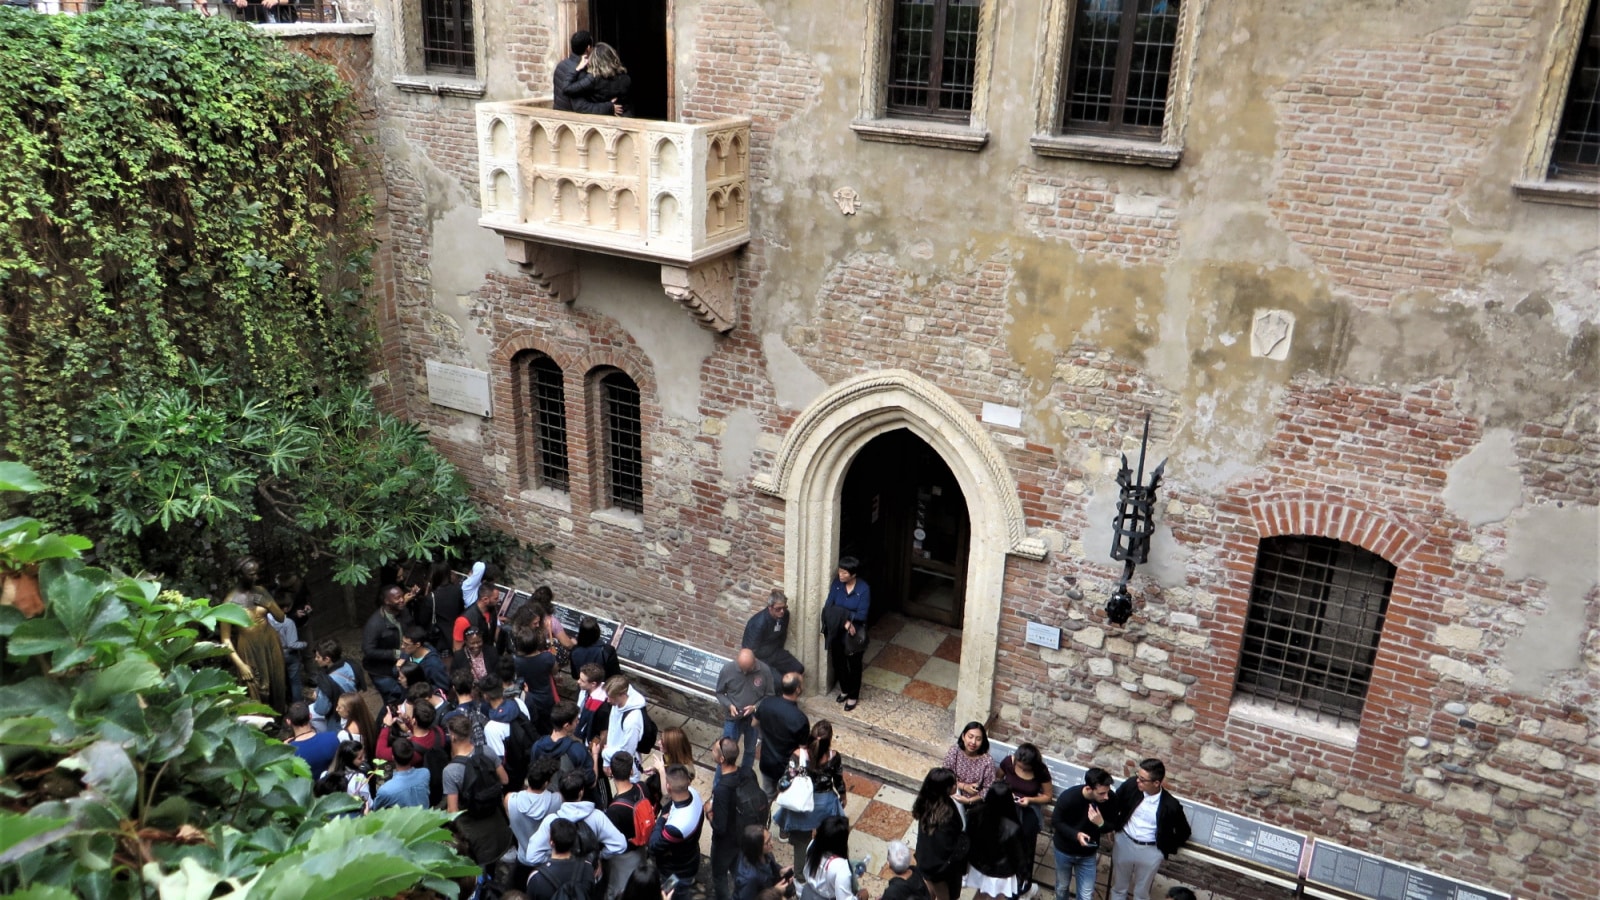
528,808
563,747
675,843
634,817
567,876
507,732
737,801
473,786
336,678
597,839
630,729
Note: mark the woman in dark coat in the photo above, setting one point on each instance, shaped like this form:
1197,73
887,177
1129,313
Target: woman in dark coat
602,84
996,857
941,843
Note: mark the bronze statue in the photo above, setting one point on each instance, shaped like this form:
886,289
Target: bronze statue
256,651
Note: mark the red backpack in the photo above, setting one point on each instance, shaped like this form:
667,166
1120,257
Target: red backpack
644,819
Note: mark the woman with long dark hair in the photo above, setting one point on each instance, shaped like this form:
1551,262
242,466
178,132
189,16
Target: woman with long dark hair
1029,779
535,666
819,762
995,859
591,649
756,869
941,842
828,874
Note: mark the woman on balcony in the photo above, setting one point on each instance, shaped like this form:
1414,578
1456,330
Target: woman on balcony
601,87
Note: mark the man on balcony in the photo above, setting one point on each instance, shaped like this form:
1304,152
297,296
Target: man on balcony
567,69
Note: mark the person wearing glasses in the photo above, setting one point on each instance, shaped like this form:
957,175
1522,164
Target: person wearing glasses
766,632
1150,826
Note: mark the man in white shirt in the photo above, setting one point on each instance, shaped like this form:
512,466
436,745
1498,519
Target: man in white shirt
627,721
1150,826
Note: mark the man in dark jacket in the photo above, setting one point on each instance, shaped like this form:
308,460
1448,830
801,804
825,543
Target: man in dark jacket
783,727
725,816
567,69
766,633
907,883
1150,825
1079,820
380,643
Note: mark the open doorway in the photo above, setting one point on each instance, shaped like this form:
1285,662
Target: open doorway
638,31
903,515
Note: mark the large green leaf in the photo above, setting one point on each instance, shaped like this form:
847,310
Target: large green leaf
15,476
22,834
107,768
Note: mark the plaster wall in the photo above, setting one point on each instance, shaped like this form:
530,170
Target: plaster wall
1350,166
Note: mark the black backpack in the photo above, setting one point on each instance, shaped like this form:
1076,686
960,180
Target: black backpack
519,749
566,888
481,790
752,804
647,735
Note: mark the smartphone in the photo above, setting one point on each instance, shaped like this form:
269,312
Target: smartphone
669,884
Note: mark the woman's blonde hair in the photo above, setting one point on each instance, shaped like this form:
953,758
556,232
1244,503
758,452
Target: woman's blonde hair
604,61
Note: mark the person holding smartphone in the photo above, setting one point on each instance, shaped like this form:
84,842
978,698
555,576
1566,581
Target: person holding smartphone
757,870
1079,820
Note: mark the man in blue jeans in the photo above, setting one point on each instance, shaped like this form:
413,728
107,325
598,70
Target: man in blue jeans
744,682
1079,820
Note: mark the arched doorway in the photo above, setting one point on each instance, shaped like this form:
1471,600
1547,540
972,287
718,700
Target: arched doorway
902,513
809,473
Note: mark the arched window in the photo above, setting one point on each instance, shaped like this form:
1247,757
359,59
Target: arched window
1317,608
624,441
545,422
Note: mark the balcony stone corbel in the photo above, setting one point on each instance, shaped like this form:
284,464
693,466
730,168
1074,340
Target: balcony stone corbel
706,290
552,268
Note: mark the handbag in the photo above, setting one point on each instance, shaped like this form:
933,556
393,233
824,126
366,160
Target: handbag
797,797
856,643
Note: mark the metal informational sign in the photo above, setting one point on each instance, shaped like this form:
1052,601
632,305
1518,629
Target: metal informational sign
1365,875
570,617
1257,842
669,657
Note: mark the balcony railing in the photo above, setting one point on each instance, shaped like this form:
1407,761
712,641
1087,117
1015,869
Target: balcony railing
664,192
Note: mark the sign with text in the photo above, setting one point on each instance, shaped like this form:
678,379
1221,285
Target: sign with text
1043,635
681,661
1366,875
459,387
570,618
1257,842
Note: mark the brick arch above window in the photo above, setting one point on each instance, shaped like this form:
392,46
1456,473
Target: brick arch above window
1345,519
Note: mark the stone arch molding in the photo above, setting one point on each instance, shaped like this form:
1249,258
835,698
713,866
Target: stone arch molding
808,475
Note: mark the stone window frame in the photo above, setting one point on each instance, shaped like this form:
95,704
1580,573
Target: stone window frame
415,77
875,123
1048,139
1535,184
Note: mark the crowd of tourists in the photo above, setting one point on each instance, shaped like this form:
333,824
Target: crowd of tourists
565,788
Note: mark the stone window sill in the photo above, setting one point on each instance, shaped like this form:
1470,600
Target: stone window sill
304,29
1559,193
448,85
620,518
945,135
1103,149
560,501
1263,715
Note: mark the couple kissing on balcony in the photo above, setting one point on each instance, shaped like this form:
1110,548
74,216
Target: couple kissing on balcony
592,80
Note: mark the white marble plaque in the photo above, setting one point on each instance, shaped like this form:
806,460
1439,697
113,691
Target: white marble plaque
459,387
1004,416
1043,635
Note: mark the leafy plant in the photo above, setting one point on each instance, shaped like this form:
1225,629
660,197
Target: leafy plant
186,466
125,769
172,192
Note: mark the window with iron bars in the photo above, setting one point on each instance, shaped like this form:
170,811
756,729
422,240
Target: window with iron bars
447,37
624,445
1577,149
1119,67
1317,609
933,59
547,430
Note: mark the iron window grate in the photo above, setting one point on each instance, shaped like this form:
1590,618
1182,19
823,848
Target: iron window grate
624,442
1120,66
1317,610
1577,149
934,58
550,422
447,37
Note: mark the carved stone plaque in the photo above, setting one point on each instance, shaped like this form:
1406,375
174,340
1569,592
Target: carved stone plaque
1271,333
849,201
459,387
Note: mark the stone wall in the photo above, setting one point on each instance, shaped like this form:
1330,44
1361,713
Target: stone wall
1353,173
